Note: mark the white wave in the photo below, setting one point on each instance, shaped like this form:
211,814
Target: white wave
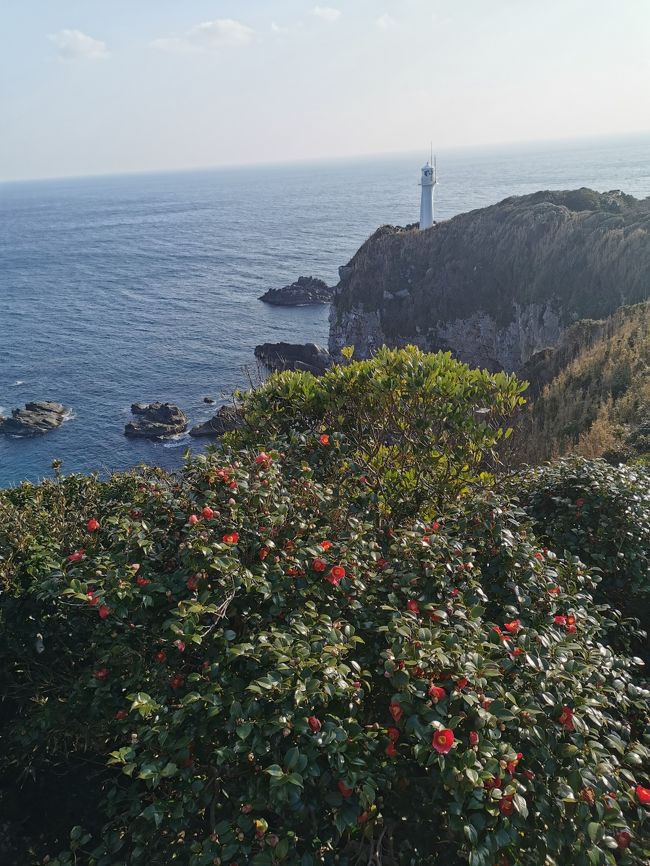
177,441
18,382
68,415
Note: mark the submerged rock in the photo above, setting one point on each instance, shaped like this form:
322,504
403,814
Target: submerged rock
227,418
294,356
36,418
305,291
156,421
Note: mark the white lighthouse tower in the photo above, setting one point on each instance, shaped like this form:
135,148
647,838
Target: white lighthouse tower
428,182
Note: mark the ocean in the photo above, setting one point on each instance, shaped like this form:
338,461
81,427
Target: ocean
131,288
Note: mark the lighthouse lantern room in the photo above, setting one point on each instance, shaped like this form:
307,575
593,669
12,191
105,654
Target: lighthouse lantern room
428,182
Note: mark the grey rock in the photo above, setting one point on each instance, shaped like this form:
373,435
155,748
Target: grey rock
227,418
38,417
156,421
209,400
294,356
305,291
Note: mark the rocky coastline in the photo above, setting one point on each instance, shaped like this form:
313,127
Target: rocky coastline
37,418
304,292
156,421
307,357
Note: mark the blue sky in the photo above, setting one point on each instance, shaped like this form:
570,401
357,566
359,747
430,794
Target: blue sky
92,86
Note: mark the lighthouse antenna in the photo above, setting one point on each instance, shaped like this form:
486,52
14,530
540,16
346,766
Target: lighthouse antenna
431,158
435,171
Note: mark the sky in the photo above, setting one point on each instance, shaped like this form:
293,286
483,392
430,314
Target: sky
96,87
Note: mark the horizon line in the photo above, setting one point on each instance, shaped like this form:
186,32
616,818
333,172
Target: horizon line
326,159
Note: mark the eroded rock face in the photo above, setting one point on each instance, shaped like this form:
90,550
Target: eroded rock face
227,418
496,285
38,417
305,291
294,356
156,421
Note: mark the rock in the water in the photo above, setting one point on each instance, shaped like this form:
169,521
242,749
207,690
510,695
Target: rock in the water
227,418
209,400
294,356
36,418
306,290
156,421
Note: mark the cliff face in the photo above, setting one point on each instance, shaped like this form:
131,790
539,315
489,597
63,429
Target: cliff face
498,284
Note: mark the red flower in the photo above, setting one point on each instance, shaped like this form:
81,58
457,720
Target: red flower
443,740
263,459
436,693
572,628
580,502
314,724
517,651
101,674
506,806
142,581
92,525
324,439
491,783
231,538
473,738
92,598
642,795
325,545
485,703
343,788
318,565
192,582
566,718
121,714
192,519
513,626
362,818
294,571
554,590
382,563
623,839
77,556
559,620
395,710
539,555
262,553
393,735
418,672
103,611
160,656
180,646
413,606
207,512
461,683
335,575
455,592
529,775
435,526
391,751
135,566
176,681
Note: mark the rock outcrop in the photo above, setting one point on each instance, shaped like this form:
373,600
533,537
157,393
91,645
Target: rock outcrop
36,418
294,356
305,291
227,418
498,284
156,421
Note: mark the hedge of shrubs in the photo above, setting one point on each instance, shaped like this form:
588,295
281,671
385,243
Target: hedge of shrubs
254,662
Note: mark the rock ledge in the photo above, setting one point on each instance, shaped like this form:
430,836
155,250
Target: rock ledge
305,291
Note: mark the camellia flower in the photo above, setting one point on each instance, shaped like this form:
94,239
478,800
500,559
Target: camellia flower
103,611
511,766
491,783
395,710
554,590
318,565
623,839
160,656
580,502
314,724
192,519
559,620
77,556
566,719
461,683
92,525
325,545
393,734
435,526
513,627
92,598
642,795
263,459
335,575
176,681
231,538
180,646
391,751
324,439
413,606
506,806
191,582
207,512
121,714
443,740
473,738
263,552
343,788
436,693
142,581
101,674
135,566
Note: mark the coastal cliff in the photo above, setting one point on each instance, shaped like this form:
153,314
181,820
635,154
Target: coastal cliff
499,284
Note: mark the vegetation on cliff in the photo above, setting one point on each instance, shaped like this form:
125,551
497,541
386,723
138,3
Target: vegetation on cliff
282,655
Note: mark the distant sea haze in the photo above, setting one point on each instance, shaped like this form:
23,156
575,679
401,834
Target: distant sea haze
115,290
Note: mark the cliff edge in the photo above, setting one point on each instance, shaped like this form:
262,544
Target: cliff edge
498,284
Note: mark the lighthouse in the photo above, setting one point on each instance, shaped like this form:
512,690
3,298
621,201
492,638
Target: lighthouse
429,180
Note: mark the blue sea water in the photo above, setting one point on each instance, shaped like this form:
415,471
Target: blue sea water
144,287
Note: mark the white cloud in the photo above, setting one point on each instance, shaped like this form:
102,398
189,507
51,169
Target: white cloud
326,13
208,36
385,21
277,28
75,45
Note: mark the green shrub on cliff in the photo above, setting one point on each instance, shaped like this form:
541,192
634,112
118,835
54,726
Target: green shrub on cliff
418,427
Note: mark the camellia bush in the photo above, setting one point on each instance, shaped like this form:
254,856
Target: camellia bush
600,513
419,428
251,667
